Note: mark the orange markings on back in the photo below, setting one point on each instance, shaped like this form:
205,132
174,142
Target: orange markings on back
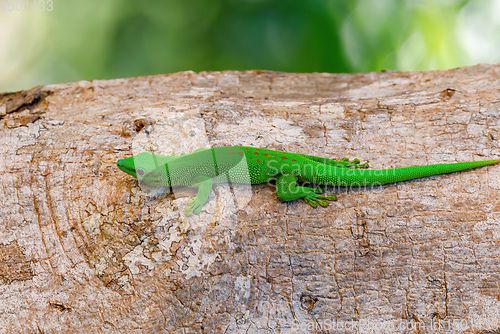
256,153
229,152
284,158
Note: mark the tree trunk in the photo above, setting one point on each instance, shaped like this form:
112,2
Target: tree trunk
84,249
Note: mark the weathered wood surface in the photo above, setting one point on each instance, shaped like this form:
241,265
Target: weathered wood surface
83,249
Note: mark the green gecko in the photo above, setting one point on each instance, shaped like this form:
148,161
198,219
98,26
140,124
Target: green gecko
250,165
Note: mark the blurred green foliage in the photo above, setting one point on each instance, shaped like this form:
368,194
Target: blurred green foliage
122,38
167,36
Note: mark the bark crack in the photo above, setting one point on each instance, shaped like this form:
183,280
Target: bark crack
19,101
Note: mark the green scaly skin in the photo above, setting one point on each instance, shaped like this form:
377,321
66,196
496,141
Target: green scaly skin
250,165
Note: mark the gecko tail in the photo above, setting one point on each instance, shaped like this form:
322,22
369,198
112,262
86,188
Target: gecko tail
365,177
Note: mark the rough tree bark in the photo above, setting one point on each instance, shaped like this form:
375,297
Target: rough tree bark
83,249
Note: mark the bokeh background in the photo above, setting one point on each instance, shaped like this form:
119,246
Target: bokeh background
95,39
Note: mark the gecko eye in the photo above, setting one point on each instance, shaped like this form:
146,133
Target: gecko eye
140,172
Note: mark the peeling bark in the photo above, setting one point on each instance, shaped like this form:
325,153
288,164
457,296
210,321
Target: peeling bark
84,249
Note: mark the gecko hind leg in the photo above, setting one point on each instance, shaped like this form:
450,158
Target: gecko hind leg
355,163
287,190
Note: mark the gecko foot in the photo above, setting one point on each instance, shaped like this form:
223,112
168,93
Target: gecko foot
193,207
354,163
315,199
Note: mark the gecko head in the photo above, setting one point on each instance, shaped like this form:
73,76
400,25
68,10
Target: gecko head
137,165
